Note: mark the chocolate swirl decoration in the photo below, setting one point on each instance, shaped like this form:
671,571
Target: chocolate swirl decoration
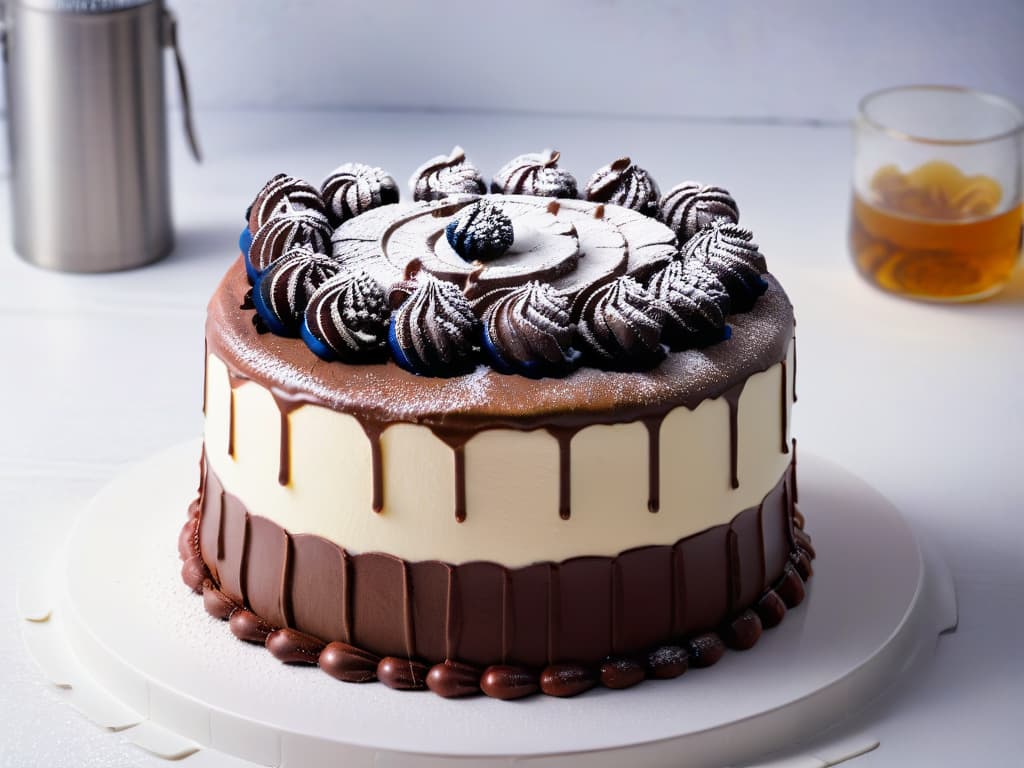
282,292
347,318
625,184
528,330
434,331
694,316
621,324
535,174
446,175
729,251
284,232
282,194
691,206
480,232
354,188
702,278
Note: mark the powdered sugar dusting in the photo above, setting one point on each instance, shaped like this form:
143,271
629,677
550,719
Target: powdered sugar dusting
484,396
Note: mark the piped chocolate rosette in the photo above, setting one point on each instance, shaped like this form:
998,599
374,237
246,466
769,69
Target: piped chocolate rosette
529,279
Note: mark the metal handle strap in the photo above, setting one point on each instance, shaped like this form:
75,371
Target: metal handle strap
171,40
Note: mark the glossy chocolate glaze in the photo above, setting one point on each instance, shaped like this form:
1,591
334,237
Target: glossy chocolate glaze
386,393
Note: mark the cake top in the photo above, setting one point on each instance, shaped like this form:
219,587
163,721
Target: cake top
527,280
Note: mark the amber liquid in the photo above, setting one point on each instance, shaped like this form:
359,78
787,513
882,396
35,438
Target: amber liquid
930,234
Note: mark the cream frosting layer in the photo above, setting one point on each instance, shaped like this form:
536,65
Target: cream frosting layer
511,476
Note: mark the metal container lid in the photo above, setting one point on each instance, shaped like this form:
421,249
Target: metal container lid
81,6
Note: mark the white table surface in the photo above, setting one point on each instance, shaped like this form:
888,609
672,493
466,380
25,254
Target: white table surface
923,401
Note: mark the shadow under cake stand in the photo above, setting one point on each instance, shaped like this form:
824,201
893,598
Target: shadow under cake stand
109,618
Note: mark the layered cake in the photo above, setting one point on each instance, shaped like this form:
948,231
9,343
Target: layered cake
526,436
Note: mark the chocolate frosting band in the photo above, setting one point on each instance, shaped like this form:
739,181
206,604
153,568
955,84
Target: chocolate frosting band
579,611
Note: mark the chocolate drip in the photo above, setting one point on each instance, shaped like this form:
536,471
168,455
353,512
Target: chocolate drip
794,365
653,424
732,397
284,466
785,407
564,436
220,529
231,421
373,432
457,442
460,483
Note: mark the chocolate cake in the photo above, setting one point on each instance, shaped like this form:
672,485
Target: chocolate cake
500,441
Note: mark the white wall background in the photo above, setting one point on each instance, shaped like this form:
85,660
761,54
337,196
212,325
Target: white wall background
788,59
749,59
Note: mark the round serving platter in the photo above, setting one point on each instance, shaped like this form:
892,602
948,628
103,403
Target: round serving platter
112,619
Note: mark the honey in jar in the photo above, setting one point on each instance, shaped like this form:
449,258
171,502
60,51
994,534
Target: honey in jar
934,233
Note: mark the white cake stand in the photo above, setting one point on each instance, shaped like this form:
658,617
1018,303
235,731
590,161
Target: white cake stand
112,621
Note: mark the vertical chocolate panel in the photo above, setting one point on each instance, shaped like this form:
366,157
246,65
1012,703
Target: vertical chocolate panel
429,582
479,590
378,604
703,579
526,616
232,566
775,533
643,600
584,610
210,541
318,587
748,569
265,563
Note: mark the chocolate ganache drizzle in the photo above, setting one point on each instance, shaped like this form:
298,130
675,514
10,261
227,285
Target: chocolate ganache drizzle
446,175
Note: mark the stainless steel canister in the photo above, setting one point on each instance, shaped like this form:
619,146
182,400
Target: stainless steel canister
87,127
